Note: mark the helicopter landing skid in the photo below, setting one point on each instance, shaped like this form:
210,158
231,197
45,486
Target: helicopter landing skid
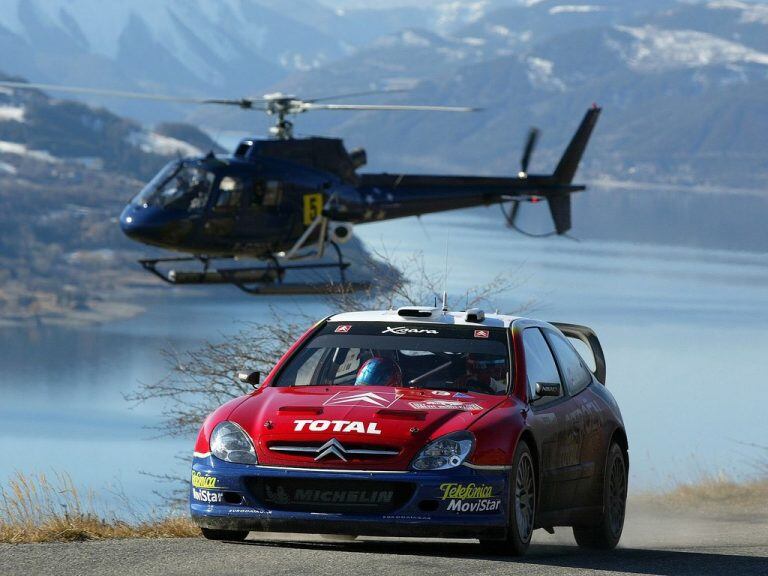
266,279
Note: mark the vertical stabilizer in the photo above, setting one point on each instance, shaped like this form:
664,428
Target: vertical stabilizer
560,204
560,208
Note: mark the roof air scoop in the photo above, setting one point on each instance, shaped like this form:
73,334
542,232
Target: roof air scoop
416,312
475,315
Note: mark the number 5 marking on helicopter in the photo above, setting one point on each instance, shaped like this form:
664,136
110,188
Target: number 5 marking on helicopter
313,207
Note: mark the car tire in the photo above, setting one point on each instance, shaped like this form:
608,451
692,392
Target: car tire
522,506
605,535
231,535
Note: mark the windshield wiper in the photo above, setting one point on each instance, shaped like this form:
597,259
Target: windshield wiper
430,373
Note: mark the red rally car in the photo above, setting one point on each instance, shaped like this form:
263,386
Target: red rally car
420,422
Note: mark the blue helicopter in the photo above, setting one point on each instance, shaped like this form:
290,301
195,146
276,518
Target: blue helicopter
284,200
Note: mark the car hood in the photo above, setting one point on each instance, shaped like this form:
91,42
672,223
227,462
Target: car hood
353,427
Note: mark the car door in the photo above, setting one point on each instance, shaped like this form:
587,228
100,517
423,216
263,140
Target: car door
586,410
554,423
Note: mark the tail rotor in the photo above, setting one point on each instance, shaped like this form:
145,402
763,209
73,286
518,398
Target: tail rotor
556,188
530,145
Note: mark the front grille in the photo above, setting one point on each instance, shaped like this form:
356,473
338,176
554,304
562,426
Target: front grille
330,496
334,450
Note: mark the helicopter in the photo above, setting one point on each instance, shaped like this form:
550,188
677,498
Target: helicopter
284,200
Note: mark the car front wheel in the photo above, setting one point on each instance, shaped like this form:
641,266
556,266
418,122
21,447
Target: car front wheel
606,534
522,506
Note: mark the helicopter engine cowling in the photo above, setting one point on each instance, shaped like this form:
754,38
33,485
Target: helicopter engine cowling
340,232
358,157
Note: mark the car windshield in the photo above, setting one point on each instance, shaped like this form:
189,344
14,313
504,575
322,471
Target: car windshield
181,185
450,358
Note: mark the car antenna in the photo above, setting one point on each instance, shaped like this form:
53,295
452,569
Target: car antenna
445,280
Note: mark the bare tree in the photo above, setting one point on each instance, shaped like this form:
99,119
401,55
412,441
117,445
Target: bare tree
200,380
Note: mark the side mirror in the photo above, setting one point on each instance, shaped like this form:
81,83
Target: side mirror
252,378
552,389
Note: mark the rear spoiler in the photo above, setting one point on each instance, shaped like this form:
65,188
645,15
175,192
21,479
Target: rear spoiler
588,336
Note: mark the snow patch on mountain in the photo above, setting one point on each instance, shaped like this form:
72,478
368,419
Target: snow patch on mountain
473,41
657,49
453,55
12,113
411,38
750,13
541,74
498,30
504,33
17,149
452,14
408,37
299,62
575,9
154,143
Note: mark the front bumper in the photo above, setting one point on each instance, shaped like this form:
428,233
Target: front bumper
460,503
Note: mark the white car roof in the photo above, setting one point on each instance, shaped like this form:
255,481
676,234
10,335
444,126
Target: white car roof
437,317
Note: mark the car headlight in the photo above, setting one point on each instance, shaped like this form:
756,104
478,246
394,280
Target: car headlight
446,452
230,443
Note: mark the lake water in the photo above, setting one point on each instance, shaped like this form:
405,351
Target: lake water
684,332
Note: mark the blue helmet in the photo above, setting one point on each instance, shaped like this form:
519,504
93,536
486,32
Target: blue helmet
379,372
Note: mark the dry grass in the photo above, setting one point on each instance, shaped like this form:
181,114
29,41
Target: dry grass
36,509
714,495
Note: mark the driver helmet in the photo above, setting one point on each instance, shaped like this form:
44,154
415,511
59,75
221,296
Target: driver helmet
379,372
484,367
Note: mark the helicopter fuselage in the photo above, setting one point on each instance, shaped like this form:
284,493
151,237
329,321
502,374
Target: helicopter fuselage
285,197
268,197
261,206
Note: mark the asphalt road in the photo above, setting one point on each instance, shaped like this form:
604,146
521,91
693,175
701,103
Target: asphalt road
654,543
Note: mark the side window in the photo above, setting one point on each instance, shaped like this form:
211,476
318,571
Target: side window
273,194
347,362
576,375
539,363
307,371
334,367
230,195
256,198
303,372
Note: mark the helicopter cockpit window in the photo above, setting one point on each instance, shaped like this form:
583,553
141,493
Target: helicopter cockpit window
230,194
179,186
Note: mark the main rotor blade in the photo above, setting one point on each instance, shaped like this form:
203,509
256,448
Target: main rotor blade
310,106
533,137
356,94
244,103
102,92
